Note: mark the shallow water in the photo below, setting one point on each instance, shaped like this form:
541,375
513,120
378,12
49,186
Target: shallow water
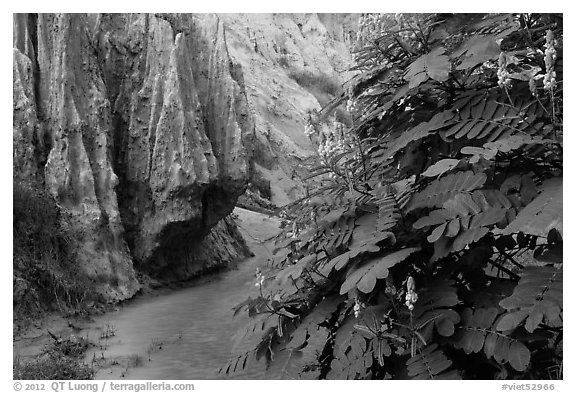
188,333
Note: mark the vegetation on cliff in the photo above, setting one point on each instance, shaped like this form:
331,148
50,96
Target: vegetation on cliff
131,138
44,257
433,248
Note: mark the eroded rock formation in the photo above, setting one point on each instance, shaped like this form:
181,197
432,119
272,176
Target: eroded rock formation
272,49
139,128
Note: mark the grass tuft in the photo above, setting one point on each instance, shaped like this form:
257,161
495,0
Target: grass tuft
61,359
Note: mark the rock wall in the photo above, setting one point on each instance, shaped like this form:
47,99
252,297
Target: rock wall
272,48
182,128
139,128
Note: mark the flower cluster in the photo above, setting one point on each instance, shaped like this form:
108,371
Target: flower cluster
504,79
358,306
370,25
411,295
549,60
351,105
334,141
532,86
259,278
309,129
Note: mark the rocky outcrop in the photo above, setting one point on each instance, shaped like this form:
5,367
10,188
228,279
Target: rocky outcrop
182,128
62,139
138,126
221,248
273,49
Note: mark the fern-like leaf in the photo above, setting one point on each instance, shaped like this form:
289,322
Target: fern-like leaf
352,356
237,363
365,276
441,190
440,167
478,331
503,145
477,50
430,363
343,259
483,117
433,309
321,312
536,299
496,24
291,362
338,234
365,240
294,271
388,213
543,213
433,65
418,132
466,217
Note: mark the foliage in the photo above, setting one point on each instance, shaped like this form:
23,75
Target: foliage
45,272
432,246
60,360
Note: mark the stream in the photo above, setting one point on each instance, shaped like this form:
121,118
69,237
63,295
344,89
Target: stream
187,333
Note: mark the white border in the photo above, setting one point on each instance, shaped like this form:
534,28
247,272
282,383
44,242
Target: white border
289,6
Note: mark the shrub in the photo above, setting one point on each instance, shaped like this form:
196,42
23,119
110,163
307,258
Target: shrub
44,254
434,248
61,359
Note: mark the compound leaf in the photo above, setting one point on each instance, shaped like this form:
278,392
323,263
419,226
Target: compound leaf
364,277
441,190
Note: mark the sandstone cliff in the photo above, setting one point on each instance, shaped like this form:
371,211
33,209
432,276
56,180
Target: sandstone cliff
138,126
274,50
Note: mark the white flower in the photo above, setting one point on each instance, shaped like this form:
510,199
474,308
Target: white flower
357,308
550,57
259,278
504,79
411,295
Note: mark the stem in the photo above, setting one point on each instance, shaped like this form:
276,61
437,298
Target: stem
505,270
422,38
314,270
460,85
360,191
509,98
543,107
408,53
553,110
537,29
510,259
351,185
361,154
375,44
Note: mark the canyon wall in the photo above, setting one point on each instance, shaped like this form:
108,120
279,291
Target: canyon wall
138,126
291,62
